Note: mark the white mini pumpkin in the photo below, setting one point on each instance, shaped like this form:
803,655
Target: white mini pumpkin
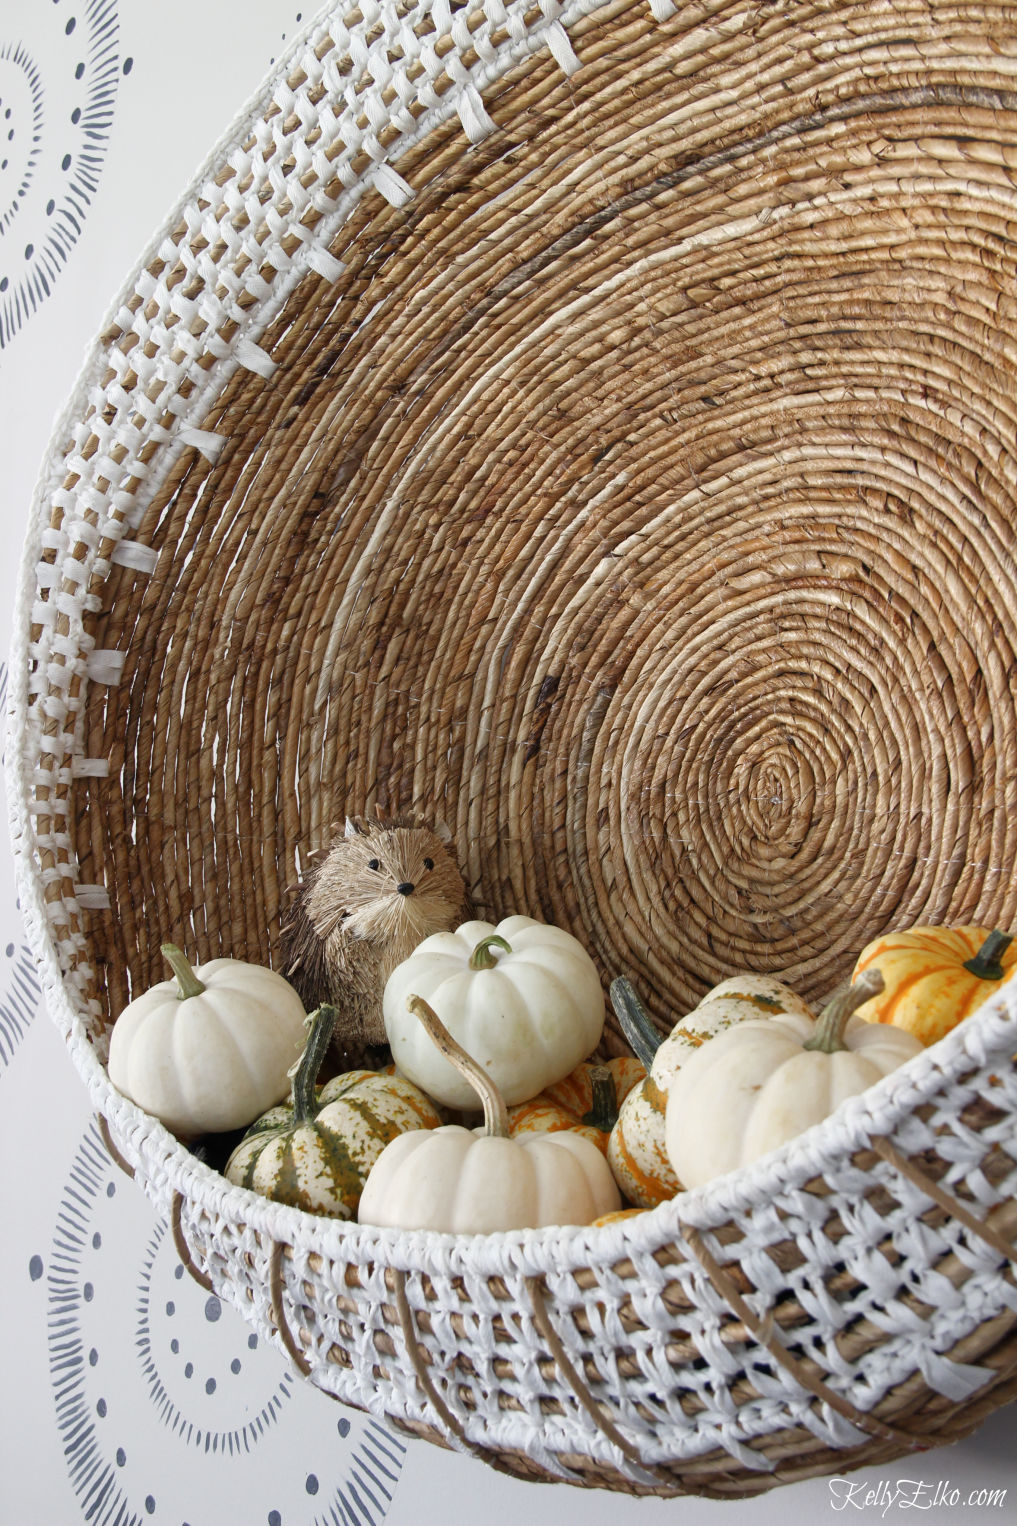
636,1150
477,1181
524,999
757,1085
210,1049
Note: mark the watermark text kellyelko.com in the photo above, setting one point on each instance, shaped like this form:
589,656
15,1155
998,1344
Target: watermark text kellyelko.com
910,1494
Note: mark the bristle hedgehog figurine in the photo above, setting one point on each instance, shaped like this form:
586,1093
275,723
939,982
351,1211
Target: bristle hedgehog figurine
366,903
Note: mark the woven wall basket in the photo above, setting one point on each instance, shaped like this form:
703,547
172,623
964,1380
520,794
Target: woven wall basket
592,424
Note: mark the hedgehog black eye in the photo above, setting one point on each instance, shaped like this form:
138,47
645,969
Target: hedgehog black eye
428,863
374,863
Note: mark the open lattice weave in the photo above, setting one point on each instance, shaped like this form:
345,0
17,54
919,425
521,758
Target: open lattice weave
591,424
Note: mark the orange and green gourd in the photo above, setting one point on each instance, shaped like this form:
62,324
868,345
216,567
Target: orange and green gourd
636,1150
619,1215
587,1100
934,977
315,1152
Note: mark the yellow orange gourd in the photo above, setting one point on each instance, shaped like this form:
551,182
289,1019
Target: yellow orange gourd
618,1215
935,976
587,1100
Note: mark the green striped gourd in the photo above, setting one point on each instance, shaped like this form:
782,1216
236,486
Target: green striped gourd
315,1152
636,1150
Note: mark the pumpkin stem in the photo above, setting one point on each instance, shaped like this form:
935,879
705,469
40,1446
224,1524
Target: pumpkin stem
320,1026
188,984
987,963
496,1118
482,957
830,1025
603,1114
643,1038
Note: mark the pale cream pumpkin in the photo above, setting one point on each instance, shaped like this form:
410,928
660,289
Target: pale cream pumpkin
477,1181
764,1082
208,1050
636,1149
524,999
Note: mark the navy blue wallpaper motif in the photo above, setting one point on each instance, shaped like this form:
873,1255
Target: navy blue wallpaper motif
162,1393
55,120
20,996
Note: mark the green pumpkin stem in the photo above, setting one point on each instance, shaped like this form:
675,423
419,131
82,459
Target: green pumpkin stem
482,958
603,1114
496,1119
829,1035
320,1025
642,1036
987,963
188,984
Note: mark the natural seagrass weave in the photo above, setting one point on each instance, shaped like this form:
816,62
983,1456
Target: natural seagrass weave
591,424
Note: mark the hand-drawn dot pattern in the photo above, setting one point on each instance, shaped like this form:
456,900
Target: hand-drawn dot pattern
51,159
171,1373
20,995
298,18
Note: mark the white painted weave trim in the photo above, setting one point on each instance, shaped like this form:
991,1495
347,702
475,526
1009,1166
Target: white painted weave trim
206,441
396,191
253,357
131,553
477,125
90,768
562,50
106,666
324,264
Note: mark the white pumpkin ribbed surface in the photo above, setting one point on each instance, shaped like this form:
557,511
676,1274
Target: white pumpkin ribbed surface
209,1063
528,1020
464,1181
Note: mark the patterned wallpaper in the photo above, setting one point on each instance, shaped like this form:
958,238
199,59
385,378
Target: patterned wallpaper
59,76
164,1406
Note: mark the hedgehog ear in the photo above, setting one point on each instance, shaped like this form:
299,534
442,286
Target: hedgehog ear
443,832
350,829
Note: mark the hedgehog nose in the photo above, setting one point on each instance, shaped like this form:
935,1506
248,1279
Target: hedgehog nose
405,888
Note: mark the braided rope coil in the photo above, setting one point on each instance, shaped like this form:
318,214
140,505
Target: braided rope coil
591,423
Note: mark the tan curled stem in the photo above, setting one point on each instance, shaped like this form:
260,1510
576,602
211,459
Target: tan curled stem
188,984
496,1121
829,1034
